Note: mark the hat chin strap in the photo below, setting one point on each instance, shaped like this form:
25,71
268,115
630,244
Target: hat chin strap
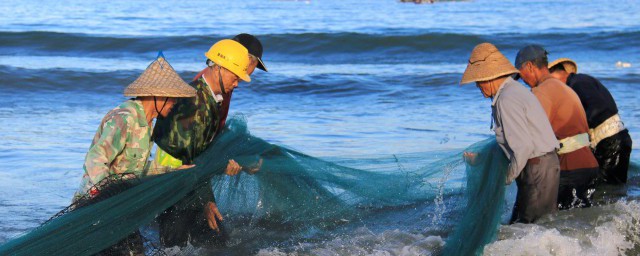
220,80
212,64
155,104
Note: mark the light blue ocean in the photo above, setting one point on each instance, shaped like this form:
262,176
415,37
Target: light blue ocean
347,79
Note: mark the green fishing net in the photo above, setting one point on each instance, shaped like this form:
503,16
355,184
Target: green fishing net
484,195
293,191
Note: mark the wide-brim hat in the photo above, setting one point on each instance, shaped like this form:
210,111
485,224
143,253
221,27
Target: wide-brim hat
486,63
568,64
161,80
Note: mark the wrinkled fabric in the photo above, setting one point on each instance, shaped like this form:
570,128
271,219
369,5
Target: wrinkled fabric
184,135
224,105
576,188
522,128
611,152
613,155
606,129
595,98
567,118
537,189
573,143
122,144
191,126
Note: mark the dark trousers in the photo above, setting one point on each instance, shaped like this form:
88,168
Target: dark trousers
576,188
186,222
131,245
613,156
537,189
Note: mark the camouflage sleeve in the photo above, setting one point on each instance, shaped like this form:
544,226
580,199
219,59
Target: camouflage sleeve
174,133
104,150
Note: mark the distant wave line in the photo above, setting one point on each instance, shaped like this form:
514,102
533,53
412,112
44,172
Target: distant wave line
321,45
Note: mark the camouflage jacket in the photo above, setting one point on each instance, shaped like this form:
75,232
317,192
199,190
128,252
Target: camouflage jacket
122,144
190,126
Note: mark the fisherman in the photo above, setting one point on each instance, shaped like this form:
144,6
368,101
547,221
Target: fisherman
122,144
610,140
579,168
189,130
522,131
254,46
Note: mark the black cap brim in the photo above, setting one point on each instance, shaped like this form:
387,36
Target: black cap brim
254,47
261,65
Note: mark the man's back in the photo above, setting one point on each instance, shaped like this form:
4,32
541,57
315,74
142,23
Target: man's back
522,129
596,99
190,126
567,118
563,108
514,95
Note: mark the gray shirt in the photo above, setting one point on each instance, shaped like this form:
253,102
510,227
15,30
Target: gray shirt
522,128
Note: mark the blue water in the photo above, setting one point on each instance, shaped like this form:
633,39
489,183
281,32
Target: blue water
347,79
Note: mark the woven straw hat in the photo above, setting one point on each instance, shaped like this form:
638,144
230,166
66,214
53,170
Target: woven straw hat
569,65
486,63
159,79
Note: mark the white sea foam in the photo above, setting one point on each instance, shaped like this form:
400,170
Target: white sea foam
599,231
365,242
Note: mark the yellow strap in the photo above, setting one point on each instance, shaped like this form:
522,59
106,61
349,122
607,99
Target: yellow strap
573,143
164,159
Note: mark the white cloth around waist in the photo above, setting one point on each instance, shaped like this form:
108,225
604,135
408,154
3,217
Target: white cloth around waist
573,143
612,126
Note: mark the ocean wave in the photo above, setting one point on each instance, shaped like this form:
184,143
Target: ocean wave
321,47
365,242
290,69
596,231
285,78
336,80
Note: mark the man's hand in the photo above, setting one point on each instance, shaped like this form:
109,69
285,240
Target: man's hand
185,166
212,214
252,170
233,168
470,157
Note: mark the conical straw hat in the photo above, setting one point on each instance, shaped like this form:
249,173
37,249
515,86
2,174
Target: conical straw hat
159,79
568,64
486,63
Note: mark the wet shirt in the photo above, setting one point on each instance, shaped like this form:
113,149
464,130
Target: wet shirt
567,117
521,126
596,99
191,125
122,144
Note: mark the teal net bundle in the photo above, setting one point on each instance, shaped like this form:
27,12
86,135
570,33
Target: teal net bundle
292,192
484,194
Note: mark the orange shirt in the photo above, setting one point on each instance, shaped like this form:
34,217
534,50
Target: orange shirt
567,118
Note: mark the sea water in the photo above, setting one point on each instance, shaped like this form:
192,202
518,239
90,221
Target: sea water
372,80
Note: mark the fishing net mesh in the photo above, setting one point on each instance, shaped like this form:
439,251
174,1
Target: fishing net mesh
293,191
